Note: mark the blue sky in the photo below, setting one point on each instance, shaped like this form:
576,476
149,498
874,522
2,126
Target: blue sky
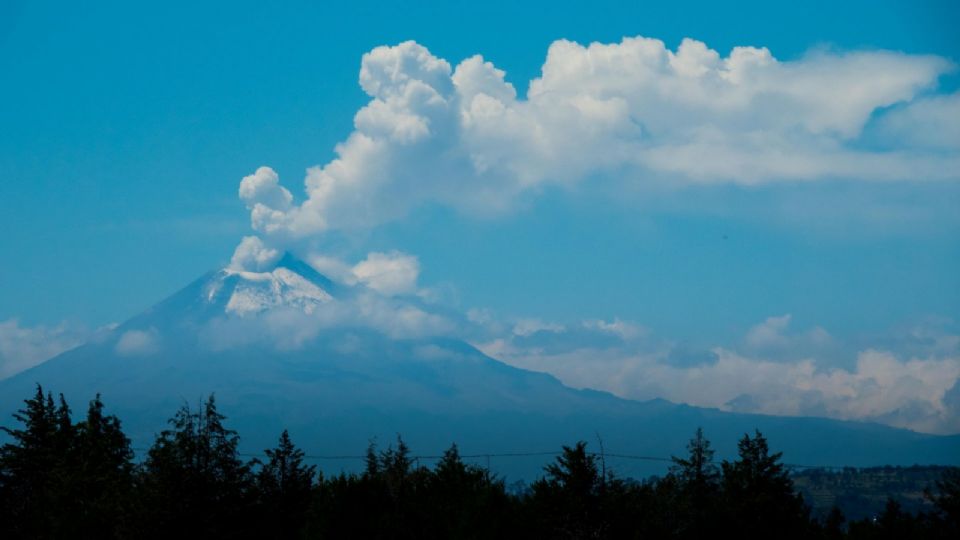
128,129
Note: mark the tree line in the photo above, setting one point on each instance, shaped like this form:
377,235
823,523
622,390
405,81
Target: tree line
65,479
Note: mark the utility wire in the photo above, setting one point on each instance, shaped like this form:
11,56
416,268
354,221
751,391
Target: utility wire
489,455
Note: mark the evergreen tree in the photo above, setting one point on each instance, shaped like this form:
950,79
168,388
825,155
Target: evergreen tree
698,487
64,480
283,486
698,469
194,482
372,462
383,502
395,466
465,501
567,499
760,501
102,477
31,468
400,481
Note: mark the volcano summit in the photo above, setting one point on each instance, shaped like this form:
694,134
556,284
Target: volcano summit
339,364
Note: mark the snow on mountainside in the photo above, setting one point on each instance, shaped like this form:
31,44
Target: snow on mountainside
244,293
338,364
259,291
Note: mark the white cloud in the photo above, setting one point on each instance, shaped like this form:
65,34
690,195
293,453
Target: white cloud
277,307
774,334
333,268
24,347
138,342
291,328
634,110
769,332
526,327
624,329
930,122
388,273
392,273
916,391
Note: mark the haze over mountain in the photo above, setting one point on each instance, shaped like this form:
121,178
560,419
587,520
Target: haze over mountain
698,212
339,364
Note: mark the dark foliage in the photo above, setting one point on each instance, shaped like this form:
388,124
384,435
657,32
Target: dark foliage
698,482
759,499
60,479
283,489
193,482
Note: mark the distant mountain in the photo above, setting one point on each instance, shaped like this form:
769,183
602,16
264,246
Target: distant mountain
289,348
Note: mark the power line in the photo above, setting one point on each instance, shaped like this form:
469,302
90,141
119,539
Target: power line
489,455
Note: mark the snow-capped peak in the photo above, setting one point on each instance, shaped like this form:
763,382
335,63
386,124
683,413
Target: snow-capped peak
245,293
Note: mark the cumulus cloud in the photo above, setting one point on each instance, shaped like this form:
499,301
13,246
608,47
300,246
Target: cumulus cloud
389,273
774,334
333,267
917,391
632,113
526,327
290,328
626,330
138,342
635,110
929,122
23,347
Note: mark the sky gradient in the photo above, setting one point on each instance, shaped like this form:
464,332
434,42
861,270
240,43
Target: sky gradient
130,129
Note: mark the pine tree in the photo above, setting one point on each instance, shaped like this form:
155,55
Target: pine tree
452,472
465,501
284,489
396,468
567,499
194,480
759,497
31,471
371,462
698,486
102,477
399,480
698,468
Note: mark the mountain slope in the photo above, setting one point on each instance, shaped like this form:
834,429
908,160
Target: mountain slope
337,382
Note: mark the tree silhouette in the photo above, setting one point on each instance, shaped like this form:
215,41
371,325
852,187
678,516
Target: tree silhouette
463,497
194,480
102,476
833,524
760,501
59,479
698,487
568,497
698,469
283,486
30,469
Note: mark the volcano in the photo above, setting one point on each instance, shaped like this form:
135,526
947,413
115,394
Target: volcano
339,367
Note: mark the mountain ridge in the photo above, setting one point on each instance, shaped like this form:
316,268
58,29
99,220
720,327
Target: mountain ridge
344,382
